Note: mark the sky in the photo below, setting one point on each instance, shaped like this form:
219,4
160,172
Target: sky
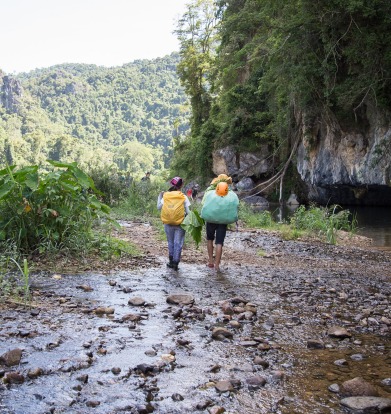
41,33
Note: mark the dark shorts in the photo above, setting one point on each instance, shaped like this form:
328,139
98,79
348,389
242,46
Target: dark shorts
219,229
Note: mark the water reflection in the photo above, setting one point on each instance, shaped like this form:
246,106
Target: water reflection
372,222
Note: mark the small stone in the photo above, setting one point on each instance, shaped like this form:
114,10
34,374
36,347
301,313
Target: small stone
132,317
85,288
104,311
217,409
358,387
116,370
235,324
315,344
255,382
13,378
224,386
338,332
177,397
92,404
180,299
12,357
136,301
367,404
260,361
340,362
334,388
34,373
219,332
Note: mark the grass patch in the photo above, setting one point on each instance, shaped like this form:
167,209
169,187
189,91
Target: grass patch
322,222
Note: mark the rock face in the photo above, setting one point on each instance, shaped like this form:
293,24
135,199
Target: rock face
347,165
338,164
10,93
245,164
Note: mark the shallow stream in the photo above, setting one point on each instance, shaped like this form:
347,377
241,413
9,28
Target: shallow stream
164,359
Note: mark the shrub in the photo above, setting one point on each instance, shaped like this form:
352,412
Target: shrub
45,211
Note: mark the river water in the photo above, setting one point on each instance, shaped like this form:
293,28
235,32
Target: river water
372,222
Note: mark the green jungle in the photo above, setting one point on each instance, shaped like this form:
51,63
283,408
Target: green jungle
76,139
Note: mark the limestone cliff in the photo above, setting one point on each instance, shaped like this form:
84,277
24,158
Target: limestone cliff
347,165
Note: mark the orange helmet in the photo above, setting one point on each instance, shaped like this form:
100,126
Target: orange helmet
222,189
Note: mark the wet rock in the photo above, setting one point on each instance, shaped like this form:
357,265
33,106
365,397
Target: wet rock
340,362
238,300
203,405
183,342
13,378
338,332
168,358
221,333
35,312
358,387
177,397
83,378
145,368
34,373
144,409
264,347
387,382
112,282
334,388
12,357
85,288
116,370
136,301
235,324
180,299
217,409
278,375
315,344
93,403
248,343
224,386
255,382
367,405
215,368
250,307
104,311
357,357
227,308
132,317
260,361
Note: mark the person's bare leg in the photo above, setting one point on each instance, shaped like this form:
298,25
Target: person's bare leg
219,252
210,252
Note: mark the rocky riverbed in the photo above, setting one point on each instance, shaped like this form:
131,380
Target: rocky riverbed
286,327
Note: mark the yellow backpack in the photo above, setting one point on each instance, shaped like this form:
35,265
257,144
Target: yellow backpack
173,210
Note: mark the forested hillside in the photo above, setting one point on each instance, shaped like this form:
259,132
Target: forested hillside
127,116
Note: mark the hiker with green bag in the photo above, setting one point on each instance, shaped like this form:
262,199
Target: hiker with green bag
219,208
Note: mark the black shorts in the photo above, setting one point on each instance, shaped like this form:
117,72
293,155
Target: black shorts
219,229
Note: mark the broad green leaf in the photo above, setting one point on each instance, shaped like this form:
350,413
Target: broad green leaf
6,188
82,178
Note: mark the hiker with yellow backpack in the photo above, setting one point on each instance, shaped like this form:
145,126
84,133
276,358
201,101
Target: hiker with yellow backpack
219,208
174,206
